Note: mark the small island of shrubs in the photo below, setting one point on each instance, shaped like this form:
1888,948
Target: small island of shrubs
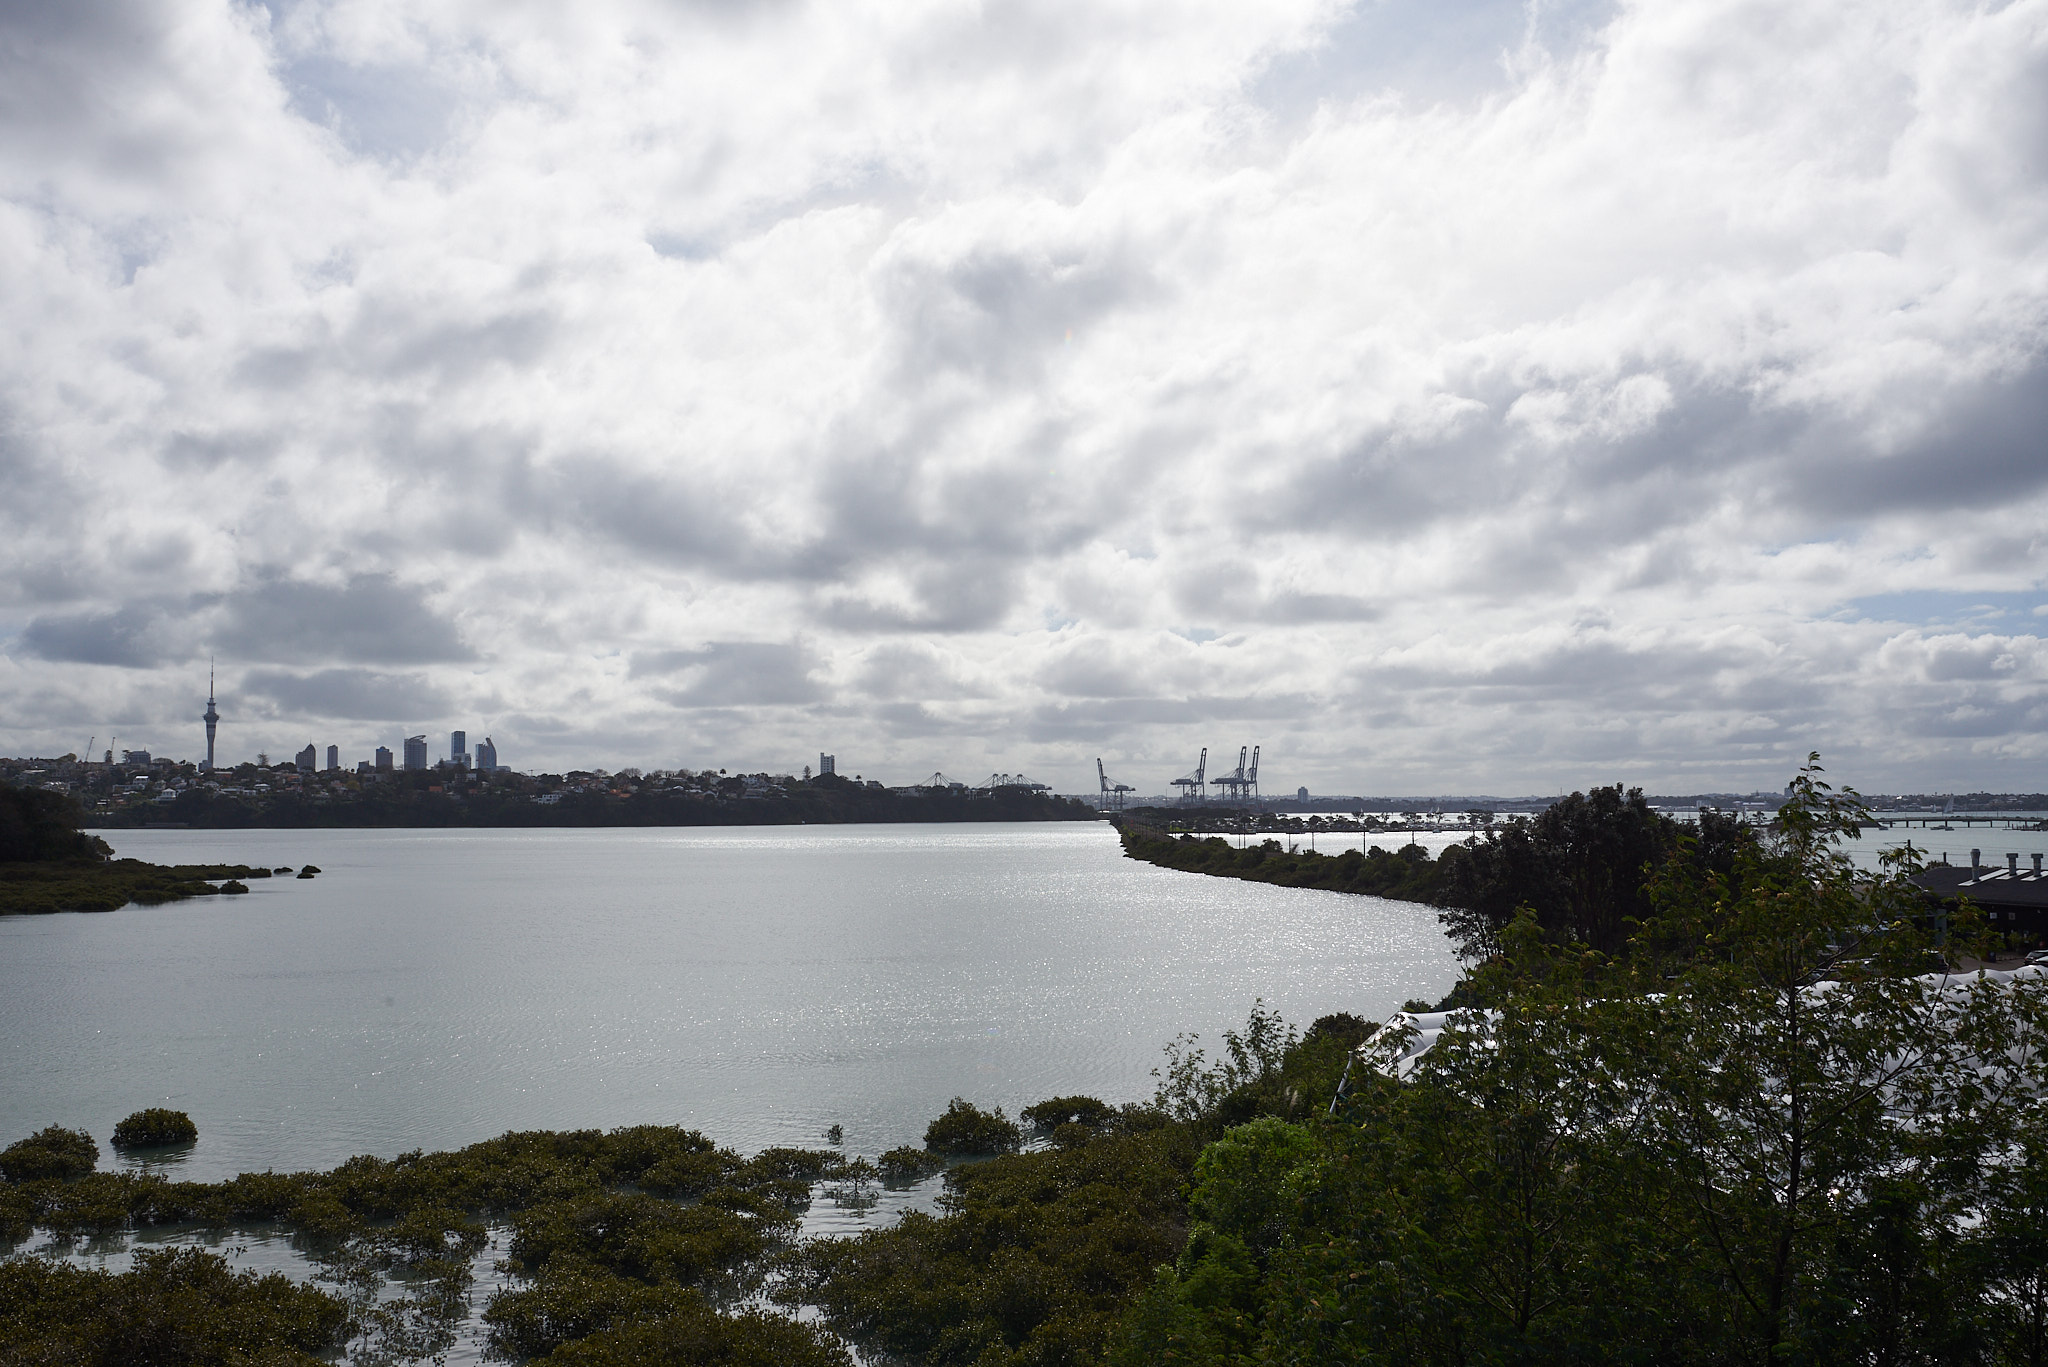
155,1128
53,1154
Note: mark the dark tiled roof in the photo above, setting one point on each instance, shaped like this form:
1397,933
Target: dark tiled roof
1989,886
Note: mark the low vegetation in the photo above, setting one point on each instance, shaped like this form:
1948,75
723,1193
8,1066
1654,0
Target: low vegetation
47,864
966,1128
636,1237
1408,873
54,1154
175,1308
1579,868
155,1128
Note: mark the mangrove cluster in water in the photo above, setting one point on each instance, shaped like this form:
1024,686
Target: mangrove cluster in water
48,864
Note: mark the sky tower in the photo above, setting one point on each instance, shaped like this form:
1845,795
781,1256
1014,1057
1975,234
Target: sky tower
211,716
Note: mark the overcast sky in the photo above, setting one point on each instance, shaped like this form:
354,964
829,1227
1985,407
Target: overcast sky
1447,395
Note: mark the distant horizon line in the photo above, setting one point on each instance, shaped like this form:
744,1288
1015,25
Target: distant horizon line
1463,802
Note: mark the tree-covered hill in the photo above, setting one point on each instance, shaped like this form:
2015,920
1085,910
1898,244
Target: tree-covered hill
437,799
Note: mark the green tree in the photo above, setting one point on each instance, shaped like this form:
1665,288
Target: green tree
1816,1099
1581,866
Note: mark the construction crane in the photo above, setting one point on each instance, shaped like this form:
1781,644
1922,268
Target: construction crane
88,750
1112,793
1234,781
1194,787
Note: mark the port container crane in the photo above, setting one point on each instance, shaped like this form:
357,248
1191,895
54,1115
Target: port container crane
1112,793
1234,781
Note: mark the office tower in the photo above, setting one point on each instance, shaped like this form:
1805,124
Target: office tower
333,758
416,752
486,755
384,759
306,759
458,749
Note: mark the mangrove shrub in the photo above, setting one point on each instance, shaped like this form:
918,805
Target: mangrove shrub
155,1128
50,1154
966,1128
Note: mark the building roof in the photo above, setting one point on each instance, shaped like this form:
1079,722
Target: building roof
1988,885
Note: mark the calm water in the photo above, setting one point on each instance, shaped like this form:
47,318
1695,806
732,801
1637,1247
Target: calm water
431,989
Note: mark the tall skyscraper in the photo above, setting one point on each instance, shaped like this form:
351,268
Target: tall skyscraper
305,759
487,755
333,758
415,752
211,717
384,759
458,749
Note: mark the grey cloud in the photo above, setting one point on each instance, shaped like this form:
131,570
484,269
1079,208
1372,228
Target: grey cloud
414,341
1970,717
371,618
910,719
965,596
909,672
1229,590
350,694
664,518
1985,446
138,636
201,451
1000,313
732,674
1098,720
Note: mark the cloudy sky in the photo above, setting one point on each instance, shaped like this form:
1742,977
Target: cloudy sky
1446,395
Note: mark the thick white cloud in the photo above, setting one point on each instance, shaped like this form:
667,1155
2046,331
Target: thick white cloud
1445,397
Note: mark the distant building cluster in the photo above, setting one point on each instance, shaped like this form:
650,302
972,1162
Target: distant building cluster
485,760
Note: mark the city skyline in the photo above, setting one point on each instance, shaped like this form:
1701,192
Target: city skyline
1488,396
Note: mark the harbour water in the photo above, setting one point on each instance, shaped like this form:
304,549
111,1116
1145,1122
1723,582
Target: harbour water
433,988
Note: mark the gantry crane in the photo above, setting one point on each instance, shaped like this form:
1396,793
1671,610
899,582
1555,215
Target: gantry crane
1112,793
1194,787
1234,781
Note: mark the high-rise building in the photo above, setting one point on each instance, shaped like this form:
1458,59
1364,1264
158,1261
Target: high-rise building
306,759
333,758
458,749
211,718
384,759
416,752
827,764
486,755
